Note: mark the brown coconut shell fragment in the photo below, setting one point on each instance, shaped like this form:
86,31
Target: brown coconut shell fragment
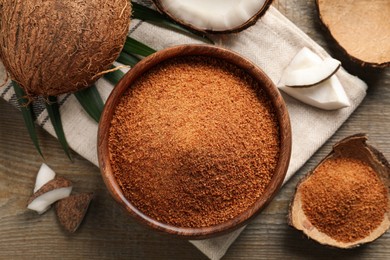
60,46
360,27
186,23
344,202
71,210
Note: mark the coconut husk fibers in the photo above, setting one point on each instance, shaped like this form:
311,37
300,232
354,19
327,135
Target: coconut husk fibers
366,197
360,27
59,46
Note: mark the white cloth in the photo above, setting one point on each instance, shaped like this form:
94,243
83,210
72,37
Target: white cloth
271,43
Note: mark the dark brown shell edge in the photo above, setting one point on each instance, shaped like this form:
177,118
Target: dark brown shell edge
344,51
240,28
378,159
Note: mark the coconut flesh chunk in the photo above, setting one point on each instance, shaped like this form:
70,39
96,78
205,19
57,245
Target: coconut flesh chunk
43,202
212,15
311,75
328,94
45,174
49,193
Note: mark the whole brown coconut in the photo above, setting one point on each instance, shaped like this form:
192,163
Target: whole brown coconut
51,47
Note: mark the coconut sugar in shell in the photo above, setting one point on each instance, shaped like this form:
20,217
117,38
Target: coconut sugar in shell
344,201
194,142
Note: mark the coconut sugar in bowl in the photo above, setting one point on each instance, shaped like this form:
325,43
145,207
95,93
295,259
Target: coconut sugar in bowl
194,141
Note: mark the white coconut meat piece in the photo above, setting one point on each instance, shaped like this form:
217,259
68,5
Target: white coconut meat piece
45,174
43,202
214,15
312,75
49,193
308,62
304,59
328,95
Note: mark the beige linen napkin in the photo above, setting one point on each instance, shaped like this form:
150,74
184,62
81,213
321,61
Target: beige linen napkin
271,44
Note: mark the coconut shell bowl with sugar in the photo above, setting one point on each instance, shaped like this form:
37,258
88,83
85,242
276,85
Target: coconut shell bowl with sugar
194,141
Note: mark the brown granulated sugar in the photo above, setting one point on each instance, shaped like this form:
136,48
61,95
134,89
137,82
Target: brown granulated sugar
194,142
345,199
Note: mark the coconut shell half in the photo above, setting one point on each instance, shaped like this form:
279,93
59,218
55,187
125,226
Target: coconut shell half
51,47
360,27
344,202
216,16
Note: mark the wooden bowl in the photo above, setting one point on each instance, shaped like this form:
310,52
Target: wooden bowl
218,53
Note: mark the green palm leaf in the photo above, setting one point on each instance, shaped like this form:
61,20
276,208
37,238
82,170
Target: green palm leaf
114,77
91,101
28,115
132,46
128,59
55,118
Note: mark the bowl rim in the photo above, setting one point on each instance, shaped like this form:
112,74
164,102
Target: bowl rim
219,53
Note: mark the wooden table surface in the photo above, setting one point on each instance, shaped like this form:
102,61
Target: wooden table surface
108,233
